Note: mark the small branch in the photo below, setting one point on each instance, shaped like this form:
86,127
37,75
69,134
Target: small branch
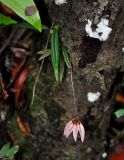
35,83
7,42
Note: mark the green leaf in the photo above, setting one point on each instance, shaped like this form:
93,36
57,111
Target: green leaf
62,68
4,150
56,43
26,9
12,151
55,54
119,113
44,53
66,57
52,47
6,20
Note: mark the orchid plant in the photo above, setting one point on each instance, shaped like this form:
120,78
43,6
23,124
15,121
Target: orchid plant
74,126
58,52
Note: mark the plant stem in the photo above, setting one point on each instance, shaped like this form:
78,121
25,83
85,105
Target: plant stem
7,42
41,66
73,92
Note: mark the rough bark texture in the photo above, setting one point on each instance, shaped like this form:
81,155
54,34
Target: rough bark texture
96,66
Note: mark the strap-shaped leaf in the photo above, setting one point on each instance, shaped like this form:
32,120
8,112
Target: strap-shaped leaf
66,57
53,47
119,113
6,20
57,43
55,51
26,9
62,68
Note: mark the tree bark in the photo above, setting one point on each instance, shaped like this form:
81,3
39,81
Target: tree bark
96,66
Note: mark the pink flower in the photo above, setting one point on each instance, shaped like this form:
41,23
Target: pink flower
74,126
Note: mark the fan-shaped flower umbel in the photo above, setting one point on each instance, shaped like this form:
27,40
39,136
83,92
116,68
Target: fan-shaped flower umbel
74,126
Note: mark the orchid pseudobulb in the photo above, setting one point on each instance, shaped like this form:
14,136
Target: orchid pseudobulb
74,126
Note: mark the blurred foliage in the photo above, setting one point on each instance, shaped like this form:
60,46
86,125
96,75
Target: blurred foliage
6,20
119,113
26,10
8,152
119,100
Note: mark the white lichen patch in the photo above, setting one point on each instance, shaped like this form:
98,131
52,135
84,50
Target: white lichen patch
92,97
60,2
104,155
123,49
102,31
3,115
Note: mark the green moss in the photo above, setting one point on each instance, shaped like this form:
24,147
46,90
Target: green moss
45,87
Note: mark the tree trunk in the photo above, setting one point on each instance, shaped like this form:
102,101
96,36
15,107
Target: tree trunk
97,67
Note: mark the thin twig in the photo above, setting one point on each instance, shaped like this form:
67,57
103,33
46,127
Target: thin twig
7,42
35,83
41,66
20,34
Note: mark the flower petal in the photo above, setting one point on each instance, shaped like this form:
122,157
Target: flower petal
82,132
75,131
67,126
69,130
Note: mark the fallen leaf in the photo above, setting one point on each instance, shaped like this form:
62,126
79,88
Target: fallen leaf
19,53
23,127
4,91
117,156
15,71
19,82
119,98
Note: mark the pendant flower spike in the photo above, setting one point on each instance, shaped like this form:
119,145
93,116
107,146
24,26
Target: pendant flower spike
74,126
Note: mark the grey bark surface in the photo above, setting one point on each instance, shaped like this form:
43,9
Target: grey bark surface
95,67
